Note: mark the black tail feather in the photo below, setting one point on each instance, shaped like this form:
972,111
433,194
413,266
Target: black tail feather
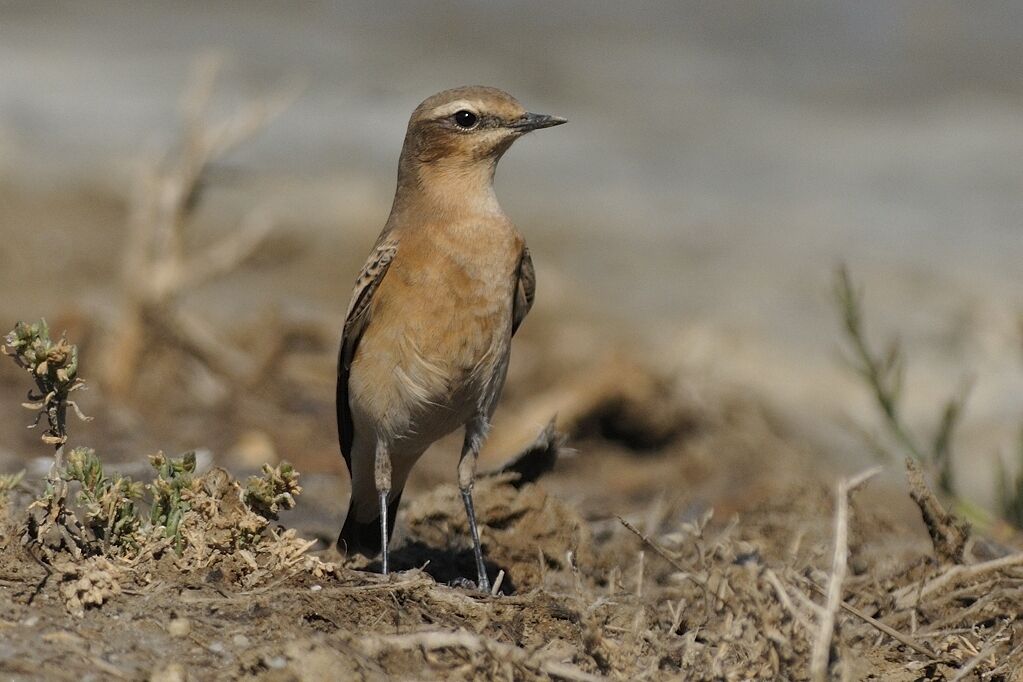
363,538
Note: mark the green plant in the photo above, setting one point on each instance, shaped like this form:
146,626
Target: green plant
884,374
272,492
1010,489
197,513
54,369
9,482
171,490
109,504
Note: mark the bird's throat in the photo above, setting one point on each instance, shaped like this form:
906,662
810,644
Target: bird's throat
450,187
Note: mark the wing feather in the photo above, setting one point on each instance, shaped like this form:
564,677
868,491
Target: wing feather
356,322
524,291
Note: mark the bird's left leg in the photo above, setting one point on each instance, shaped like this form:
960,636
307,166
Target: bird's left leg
475,432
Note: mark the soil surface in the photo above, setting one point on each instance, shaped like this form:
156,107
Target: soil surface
698,554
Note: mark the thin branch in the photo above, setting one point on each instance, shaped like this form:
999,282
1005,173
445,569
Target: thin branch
199,338
157,271
226,255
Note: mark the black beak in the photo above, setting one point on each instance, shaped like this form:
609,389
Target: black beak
530,122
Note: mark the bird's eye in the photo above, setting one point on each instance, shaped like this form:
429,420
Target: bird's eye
466,119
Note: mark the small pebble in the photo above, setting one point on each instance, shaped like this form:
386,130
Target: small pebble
277,662
179,627
217,648
241,640
31,621
172,673
316,588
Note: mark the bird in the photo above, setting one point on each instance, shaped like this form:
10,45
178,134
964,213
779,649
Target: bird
427,335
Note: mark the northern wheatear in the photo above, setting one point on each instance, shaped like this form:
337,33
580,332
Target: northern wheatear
427,337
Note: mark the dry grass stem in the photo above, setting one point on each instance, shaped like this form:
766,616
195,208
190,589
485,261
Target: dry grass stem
639,574
661,552
955,574
786,601
881,627
496,588
820,655
985,653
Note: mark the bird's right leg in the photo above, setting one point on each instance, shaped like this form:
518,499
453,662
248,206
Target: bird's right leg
475,431
382,478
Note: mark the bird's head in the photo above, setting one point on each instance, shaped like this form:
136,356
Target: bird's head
469,127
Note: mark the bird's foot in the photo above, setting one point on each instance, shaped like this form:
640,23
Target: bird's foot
483,587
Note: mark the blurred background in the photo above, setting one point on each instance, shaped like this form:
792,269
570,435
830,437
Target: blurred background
720,161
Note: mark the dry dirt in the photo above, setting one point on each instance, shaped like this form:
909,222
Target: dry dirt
737,518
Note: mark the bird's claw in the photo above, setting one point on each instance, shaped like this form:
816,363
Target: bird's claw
470,585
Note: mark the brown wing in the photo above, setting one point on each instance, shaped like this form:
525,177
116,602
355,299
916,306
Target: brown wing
355,325
524,291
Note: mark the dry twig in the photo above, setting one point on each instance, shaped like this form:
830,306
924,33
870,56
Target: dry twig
985,653
948,534
881,627
953,574
839,565
157,270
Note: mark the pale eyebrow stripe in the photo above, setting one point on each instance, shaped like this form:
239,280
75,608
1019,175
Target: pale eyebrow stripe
447,109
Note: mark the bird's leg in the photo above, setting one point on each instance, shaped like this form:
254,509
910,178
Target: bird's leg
382,478
474,434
